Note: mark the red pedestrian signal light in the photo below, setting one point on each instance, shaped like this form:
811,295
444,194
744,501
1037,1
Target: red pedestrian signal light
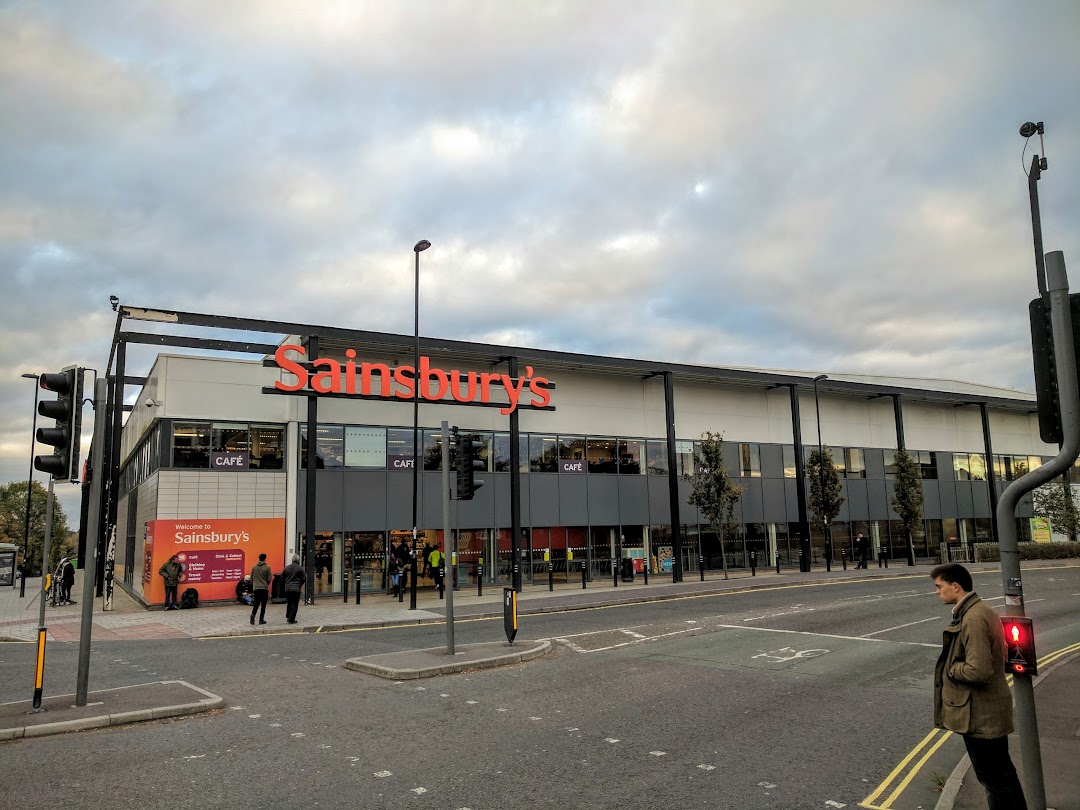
1019,645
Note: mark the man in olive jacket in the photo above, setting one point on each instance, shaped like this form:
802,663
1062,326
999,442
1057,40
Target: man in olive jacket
971,697
261,575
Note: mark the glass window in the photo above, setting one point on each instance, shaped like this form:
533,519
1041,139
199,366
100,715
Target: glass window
976,466
365,448
927,462
890,464
543,454
855,462
789,460
191,445
399,448
267,447
630,453
500,451
572,448
656,456
684,457
750,458
432,444
330,446
601,454
839,460
230,438
961,465
523,453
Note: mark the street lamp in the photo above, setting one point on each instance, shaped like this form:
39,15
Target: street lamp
821,476
30,491
418,248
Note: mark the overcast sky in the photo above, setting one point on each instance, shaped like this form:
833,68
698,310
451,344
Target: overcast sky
827,186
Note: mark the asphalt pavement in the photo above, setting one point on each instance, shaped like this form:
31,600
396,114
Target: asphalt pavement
1056,691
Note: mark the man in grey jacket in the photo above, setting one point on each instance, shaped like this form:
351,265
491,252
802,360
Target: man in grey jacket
971,697
260,588
295,577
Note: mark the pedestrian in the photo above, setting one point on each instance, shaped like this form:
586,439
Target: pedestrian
405,559
260,588
393,570
435,559
67,580
427,566
971,697
171,572
294,577
862,545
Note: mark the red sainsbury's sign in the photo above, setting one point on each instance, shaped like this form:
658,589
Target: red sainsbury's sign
349,378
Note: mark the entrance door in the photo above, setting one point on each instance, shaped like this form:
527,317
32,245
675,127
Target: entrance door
367,561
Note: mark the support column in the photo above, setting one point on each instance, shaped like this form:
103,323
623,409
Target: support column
673,478
309,483
515,491
800,477
115,435
898,416
988,449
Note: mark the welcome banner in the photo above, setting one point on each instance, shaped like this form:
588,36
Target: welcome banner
216,553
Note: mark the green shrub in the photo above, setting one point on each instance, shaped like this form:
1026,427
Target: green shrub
988,552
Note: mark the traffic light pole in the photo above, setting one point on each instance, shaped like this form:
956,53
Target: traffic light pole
93,531
39,669
1057,290
29,496
449,559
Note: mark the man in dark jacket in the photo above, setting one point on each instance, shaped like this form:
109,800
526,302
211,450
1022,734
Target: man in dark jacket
171,572
294,577
260,588
67,580
862,547
971,697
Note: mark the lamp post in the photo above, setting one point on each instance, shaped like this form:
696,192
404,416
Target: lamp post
821,476
418,248
30,492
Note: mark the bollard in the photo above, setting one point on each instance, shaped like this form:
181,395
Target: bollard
480,577
583,574
645,571
753,563
551,576
615,570
843,557
357,587
442,579
778,561
402,580
701,566
800,560
345,586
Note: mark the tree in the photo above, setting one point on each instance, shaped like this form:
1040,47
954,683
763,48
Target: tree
714,493
826,493
13,523
1057,502
907,500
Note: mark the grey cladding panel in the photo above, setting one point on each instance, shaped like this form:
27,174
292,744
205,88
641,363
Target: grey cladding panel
399,500
501,484
543,498
752,508
947,491
980,499
876,496
634,499
573,500
364,501
875,463
773,501
931,500
328,503
659,508
857,505
772,461
603,493
965,507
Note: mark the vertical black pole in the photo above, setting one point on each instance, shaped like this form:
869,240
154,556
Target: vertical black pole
115,435
988,449
673,478
415,428
800,480
515,489
310,480
29,497
898,415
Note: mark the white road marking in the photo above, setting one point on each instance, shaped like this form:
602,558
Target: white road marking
831,803
658,753
419,791
766,785
632,633
254,716
472,702
575,728
444,694
827,635
236,708
377,774
498,710
536,718
611,740
298,734
707,767
898,627
580,649
789,654
275,725
1026,602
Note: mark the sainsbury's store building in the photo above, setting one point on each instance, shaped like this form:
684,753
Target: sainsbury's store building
587,458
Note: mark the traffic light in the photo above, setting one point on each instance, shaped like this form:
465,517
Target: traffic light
468,462
66,409
1019,645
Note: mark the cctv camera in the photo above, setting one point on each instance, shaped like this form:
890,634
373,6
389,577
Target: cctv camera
1028,129
149,403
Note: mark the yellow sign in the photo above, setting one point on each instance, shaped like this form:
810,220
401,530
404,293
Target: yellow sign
1040,529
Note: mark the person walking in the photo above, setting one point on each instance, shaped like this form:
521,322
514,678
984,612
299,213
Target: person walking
294,577
435,559
971,697
862,545
393,570
260,588
67,580
171,572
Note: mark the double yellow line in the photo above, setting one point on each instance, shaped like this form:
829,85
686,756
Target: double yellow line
909,766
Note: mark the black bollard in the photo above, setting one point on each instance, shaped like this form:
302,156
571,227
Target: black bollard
583,575
778,561
442,580
753,563
480,578
645,570
345,586
402,580
701,566
551,575
357,575
843,557
615,569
